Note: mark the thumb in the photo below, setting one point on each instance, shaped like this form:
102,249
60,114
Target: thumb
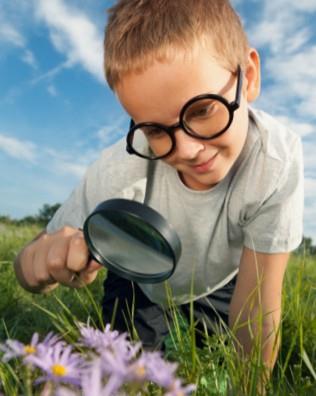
93,265
89,274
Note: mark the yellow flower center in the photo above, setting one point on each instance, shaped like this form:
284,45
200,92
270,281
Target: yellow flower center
140,371
59,370
29,349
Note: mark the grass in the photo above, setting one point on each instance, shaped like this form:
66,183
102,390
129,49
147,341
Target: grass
216,368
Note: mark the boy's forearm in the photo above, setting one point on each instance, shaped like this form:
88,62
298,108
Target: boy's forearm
255,308
255,332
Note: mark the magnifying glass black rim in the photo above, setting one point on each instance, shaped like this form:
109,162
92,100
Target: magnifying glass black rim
151,218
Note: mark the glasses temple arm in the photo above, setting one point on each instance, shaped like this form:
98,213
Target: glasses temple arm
236,102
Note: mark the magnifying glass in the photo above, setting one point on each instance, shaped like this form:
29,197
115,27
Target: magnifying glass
132,240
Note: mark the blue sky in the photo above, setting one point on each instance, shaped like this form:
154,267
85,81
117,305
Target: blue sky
57,113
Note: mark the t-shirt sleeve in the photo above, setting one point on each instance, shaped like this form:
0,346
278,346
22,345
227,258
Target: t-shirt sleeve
110,176
79,204
276,226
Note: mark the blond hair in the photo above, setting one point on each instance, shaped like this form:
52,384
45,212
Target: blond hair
142,31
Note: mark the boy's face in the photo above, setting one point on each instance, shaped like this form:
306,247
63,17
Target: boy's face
158,95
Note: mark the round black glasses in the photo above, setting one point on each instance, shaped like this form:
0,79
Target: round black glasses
205,117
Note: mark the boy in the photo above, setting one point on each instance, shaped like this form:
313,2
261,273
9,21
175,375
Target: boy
228,178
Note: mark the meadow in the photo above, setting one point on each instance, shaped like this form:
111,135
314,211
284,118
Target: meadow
215,369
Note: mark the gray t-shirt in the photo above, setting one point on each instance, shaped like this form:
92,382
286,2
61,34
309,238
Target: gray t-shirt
259,204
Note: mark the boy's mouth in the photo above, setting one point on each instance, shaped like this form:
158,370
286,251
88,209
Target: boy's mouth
205,166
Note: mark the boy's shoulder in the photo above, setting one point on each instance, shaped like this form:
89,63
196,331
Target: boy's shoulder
271,161
277,139
266,197
114,161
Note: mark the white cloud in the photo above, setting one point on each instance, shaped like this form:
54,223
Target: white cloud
52,90
9,34
309,158
29,58
282,32
288,64
48,75
310,188
22,150
76,170
298,67
302,128
295,79
112,131
67,163
302,5
310,208
73,34
55,161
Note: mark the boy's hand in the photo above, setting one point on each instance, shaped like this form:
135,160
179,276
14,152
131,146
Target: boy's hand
50,259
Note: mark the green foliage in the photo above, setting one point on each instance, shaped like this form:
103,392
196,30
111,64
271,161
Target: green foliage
299,324
47,212
44,215
306,248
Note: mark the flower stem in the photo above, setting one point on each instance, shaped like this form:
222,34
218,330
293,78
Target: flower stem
29,388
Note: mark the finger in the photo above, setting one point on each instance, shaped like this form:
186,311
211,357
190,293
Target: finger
57,261
57,254
86,277
31,278
64,276
40,267
93,265
78,254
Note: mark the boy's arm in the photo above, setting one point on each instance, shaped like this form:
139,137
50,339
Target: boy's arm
258,292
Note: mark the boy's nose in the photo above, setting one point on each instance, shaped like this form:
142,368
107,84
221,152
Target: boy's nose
187,147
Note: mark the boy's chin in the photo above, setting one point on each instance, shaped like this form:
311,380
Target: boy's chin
201,182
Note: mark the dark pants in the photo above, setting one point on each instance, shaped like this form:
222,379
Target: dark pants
133,308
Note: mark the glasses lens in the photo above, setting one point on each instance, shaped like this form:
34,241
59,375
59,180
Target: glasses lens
206,117
151,141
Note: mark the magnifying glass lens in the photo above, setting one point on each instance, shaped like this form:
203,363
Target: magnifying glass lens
129,244
132,240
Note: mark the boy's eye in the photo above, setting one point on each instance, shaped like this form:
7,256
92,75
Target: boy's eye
201,110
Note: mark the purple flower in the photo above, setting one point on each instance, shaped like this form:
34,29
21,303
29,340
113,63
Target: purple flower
109,340
113,363
92,379
63,391
151,366
112,386
13,348
96,339
59,364
114,349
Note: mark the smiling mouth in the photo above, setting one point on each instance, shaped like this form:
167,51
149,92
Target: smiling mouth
205,166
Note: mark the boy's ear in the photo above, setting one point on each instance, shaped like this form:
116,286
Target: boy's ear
253,76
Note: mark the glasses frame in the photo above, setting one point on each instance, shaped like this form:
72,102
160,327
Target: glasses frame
171,129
